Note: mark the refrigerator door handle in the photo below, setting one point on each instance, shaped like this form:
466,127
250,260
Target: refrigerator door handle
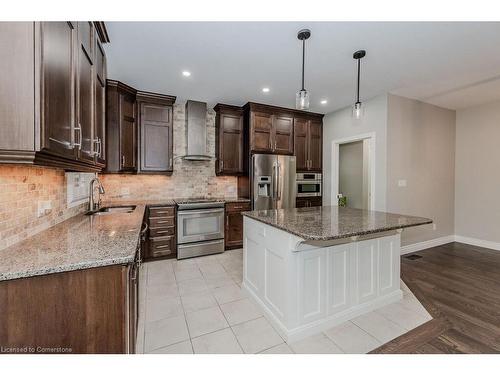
278,191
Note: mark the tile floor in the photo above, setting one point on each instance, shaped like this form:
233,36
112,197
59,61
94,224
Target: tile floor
196,306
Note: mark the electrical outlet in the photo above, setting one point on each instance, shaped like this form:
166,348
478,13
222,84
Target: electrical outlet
44,208
401,183
434,226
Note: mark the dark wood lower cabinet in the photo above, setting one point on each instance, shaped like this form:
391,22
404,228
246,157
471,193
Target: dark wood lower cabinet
233,236
161,241
309,202
85,311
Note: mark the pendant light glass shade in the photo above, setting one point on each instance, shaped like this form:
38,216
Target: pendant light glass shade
358,110
302,99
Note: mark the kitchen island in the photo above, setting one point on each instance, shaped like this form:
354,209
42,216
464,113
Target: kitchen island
312,268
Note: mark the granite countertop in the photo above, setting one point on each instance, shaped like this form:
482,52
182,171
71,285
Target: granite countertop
80,242
333,222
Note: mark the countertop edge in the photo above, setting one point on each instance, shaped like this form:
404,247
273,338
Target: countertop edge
68,268
329,238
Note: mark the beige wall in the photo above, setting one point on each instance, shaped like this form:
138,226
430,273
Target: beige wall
477,173
189,179
339,124
421,150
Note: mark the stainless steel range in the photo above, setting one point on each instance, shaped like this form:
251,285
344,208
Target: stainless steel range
200,224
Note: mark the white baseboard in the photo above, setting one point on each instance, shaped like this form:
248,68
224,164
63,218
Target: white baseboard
426,244
477,242
447,239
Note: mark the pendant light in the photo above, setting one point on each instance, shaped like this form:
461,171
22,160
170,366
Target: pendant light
302,97
357,108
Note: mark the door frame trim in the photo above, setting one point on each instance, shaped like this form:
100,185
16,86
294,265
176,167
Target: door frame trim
369,138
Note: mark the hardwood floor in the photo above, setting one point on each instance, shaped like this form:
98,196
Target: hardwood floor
459,285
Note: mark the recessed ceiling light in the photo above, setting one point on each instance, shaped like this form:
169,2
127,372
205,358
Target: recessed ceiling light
185,73
324,101
265,89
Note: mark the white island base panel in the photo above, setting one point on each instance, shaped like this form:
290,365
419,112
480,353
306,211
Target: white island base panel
306,288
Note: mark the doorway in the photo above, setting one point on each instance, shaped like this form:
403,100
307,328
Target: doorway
354,173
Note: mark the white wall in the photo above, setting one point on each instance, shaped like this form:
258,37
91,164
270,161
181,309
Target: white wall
339,124
421,151
477,173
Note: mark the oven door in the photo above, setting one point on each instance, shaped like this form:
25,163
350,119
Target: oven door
200,225
309,188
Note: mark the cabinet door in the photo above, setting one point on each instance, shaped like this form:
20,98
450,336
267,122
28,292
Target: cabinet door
262,132
58,86
283,134
301,129
128,133
156,138
315,146
86,90
100,103
231,143
234,229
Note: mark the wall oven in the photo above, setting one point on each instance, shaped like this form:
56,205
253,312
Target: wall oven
200,228
309,184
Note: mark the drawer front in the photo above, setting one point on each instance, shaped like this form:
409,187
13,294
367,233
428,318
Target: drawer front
161,211
161,246
161,232
161,222
244,206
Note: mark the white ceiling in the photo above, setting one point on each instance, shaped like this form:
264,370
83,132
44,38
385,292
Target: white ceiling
453,65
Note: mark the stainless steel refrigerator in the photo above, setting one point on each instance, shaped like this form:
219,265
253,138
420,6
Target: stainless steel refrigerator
273,181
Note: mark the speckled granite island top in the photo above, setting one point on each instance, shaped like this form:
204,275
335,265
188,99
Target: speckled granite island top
78,243
333,222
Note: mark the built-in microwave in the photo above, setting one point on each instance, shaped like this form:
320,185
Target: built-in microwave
309,184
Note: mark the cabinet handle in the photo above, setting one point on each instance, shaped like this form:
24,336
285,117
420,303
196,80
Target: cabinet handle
275,142
170,162
227,220
123,160
222,165
100,146
78,131
162,246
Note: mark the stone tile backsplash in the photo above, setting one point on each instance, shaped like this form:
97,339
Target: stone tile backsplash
189,179
22,188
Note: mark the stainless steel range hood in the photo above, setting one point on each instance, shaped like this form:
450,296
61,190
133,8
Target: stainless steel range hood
196,131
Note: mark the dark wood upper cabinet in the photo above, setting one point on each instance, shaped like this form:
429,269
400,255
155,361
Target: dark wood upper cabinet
139,130
85,118
52,117
270,129
301,143
308,144
283,134
100,104
156,132
261,131
316,145
121,128
58,70
229,140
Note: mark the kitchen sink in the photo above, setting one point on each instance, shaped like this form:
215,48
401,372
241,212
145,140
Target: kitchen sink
113,210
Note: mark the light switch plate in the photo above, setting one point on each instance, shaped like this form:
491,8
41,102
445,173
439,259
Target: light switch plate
401,183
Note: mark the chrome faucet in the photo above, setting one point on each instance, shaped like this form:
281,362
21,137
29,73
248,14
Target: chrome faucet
92,204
